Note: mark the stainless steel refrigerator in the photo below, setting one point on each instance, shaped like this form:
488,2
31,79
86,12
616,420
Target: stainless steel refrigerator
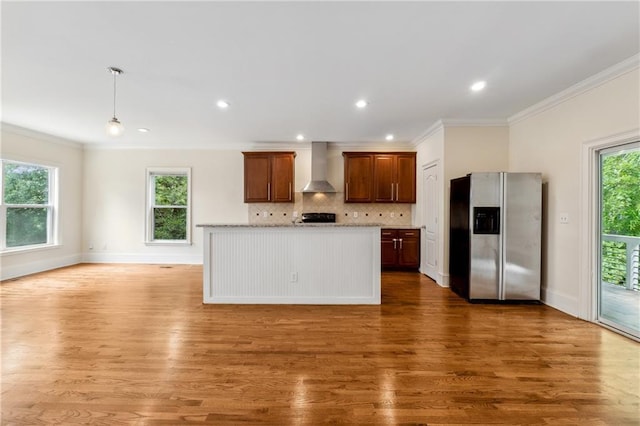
495,236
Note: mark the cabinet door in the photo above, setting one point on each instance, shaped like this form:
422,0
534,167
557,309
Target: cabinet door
384,178
358,178
388,249
405,191
409,249
257,169
282,178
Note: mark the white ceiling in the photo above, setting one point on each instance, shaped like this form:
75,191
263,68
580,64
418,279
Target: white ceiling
294,67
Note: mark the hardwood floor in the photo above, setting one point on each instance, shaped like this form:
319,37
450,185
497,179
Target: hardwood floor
133,344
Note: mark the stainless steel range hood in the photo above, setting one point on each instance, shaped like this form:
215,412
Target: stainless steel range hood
318,182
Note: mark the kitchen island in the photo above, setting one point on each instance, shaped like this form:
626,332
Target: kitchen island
292,264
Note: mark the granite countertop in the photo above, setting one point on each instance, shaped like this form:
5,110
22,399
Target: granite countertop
400,227
286,225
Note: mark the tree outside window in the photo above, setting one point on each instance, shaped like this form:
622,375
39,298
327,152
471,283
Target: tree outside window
27,205
169,205
620,210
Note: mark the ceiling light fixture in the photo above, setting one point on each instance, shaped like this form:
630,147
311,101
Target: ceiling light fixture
478,86
361,103
389,137
222,104
300,137
114,127
144,130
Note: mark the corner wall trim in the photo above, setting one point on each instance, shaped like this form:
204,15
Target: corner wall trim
592,82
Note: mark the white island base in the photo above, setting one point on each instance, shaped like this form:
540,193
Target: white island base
291,264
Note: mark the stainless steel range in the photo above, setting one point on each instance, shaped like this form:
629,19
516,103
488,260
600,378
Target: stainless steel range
318,217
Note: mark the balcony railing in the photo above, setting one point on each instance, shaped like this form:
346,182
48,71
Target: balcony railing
621,261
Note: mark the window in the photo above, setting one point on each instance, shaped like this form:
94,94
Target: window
28,206
169,206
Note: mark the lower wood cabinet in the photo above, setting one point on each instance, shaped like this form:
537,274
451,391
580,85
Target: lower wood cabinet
400,248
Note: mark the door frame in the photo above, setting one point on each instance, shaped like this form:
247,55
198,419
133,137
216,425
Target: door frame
590,220
423,236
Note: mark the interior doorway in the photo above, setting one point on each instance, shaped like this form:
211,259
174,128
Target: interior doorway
430,220
618,292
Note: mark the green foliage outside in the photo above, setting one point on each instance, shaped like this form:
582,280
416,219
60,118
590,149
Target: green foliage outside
620,210
25,184
170,223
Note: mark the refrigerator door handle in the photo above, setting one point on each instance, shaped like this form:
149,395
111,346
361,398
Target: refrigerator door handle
501,240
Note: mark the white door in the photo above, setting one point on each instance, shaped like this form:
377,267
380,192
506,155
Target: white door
430,227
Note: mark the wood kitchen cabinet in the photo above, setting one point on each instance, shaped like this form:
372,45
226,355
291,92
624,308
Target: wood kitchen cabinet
374,177
394,178
358,177
400,248
269,177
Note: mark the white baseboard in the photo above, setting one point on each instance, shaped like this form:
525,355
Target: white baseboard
176,259
9,272
443,279
559,301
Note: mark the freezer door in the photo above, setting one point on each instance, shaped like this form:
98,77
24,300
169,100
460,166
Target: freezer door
484,277
522,229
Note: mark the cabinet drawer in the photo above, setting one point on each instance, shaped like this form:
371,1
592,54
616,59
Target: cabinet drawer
405,233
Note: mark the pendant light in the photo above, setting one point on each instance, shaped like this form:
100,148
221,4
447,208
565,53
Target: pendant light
114,127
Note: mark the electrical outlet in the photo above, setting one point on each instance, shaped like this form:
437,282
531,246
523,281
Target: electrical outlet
295,214
355,214
564,218
392,215
294,277
265,214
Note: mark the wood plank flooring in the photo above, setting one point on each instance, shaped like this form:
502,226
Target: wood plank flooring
133,345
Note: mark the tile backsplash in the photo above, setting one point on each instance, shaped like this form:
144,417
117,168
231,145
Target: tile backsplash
382,213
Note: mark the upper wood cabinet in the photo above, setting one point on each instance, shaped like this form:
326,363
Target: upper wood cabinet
358,177
269,177
378,177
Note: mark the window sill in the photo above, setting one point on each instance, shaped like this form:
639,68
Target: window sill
167,243
29,249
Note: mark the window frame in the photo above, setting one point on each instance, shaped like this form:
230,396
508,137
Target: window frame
151,172
52,207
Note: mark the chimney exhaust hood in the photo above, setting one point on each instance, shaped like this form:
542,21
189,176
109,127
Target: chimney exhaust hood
318,182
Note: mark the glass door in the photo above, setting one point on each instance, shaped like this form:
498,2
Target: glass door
619,259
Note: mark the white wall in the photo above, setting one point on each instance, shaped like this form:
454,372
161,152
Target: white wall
115,193
550,142
459,150
28,146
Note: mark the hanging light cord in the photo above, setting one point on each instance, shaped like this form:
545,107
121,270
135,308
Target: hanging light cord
114,92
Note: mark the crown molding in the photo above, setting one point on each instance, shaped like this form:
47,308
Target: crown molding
34,134
458,122
431,130
590,83
477,122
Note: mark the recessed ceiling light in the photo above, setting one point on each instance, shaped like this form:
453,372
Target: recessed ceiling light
300,137
478,86
222,104
389,137
362,103
144,130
